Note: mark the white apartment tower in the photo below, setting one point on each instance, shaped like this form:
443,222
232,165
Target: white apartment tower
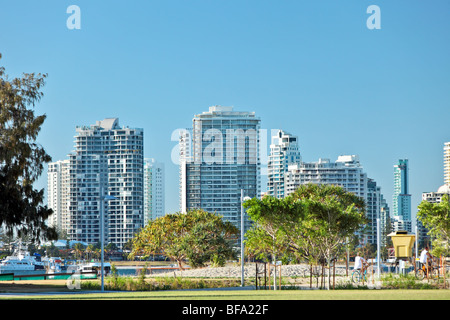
284,151
347,173
447,163
436,197
154,194
432,197
185,152
224,159
58,194
107,160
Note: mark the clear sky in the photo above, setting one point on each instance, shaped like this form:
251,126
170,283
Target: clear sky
312,68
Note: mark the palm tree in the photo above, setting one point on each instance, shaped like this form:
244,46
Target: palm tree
78,248
89,250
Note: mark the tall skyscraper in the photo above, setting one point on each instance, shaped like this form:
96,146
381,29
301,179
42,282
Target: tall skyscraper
185,158
447,163
154,190
284,151
373,209
401,198
107,160
224,159
58,194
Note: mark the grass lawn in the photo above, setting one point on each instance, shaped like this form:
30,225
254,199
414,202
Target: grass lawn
250,295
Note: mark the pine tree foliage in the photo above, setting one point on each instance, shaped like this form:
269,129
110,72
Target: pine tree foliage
21,158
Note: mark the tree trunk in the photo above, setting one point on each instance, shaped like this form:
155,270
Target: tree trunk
180,264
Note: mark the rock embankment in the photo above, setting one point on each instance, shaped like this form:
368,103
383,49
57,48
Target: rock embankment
249,271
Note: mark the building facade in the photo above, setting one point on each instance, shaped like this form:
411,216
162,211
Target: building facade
107,160
347,173
432,197
401,198
447,163
284,151
154,190
373,210
223,160
58,184
385,221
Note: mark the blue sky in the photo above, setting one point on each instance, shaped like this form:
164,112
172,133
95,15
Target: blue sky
312,68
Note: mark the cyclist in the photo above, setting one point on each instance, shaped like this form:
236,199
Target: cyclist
360,263
426,259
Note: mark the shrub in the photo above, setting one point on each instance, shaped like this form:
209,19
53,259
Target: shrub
117,283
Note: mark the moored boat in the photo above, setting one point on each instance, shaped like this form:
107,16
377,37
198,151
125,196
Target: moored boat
94,267
20,262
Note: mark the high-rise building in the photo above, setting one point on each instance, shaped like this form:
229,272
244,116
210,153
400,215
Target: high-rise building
347,173
432,197
107,160
224,160
58,194
385,221
447,163
373,210
401,198
154,193
185,158
284,151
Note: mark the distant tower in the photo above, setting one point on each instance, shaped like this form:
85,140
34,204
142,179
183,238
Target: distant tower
58,194
153,190
447,163
284,151
401,198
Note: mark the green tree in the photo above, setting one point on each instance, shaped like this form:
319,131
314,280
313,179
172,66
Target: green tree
313,223
274,220
436,218
52,250
21,158
79,250
332,215
197,235
90,250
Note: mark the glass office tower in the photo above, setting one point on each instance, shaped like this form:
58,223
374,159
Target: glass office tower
401,199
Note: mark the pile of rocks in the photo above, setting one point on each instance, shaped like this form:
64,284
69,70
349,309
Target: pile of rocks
249,271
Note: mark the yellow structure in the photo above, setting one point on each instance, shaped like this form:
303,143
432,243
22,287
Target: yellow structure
403,243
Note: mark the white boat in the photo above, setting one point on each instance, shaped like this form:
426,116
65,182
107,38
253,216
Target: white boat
95,267
22,261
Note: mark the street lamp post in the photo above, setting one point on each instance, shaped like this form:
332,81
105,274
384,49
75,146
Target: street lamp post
102,235
378,249
242,235
417,242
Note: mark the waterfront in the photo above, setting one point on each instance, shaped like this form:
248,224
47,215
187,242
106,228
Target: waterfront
121,271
